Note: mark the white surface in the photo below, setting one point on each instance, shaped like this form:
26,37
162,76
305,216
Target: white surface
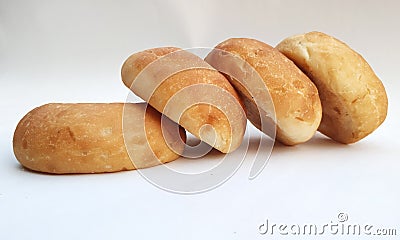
71,51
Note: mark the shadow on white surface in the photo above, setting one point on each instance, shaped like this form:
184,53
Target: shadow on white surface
317,141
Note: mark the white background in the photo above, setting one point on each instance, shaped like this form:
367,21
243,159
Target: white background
72,51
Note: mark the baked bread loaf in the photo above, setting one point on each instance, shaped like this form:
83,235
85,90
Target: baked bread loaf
91,138
295,98
190,92
353,98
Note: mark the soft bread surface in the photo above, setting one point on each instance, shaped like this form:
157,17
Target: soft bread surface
353,98
199,98
295,98
91,138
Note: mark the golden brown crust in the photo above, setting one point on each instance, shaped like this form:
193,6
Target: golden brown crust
162,75
88,138
353,98
297,105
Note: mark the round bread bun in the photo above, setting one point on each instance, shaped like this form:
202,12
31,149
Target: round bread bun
353,98
92,138
190,92
296,109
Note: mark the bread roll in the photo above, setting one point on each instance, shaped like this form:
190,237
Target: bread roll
190,92
294,96
90,138
353,98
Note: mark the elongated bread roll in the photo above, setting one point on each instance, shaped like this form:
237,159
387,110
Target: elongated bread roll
353,98
294,96
190,92
91,138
